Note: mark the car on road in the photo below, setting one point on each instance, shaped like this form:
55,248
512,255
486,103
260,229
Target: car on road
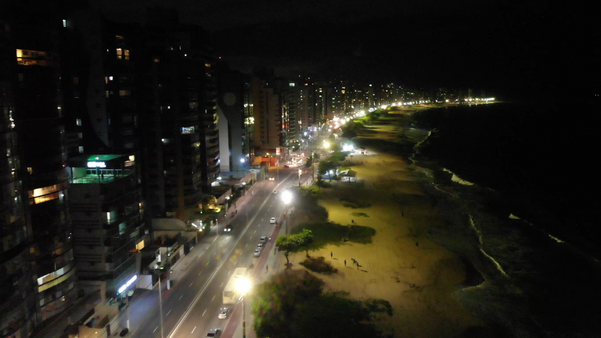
223,312
214,333
272,220
263,239
228,228
286,166
258,252
275,192
260,245
272,178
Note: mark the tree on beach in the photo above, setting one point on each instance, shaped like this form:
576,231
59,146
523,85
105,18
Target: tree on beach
288,244
305,239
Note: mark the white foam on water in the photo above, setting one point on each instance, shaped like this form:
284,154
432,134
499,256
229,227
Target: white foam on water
457,179
512,216
481,240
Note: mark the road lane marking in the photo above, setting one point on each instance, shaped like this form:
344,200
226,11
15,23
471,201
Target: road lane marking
180,297
191,284
212,299
246,245
211,277
254,232
204,313
194,329
199,273
221,284
155,329
168,313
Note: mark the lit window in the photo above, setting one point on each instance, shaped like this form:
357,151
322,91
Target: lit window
157,60
30,170
119,53
33,58
124,93
119,37
111,78
80,149
126,54
80,135
78,122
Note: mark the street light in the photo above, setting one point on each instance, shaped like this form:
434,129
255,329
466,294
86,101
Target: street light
242,286
286,198
300,171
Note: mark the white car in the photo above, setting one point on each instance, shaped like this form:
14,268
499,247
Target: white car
272,220
275,192
260,245
258,252
263,239
223,312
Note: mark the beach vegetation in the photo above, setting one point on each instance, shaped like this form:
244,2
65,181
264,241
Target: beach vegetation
319,265
294,305
326,233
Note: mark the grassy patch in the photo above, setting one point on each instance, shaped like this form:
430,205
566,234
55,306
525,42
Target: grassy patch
319,265
332,233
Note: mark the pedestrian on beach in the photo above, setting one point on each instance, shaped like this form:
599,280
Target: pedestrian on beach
345,262
354,261
353,221
416,244
402,213
266,268
331,254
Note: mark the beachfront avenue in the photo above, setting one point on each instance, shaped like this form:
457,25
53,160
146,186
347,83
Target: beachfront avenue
190,308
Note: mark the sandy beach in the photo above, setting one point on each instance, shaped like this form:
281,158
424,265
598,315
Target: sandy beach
401,265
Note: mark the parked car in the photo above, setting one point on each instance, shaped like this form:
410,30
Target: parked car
260,245
258,252
264,239
272,220
223,312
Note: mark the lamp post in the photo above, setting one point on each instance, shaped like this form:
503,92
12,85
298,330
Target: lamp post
300,171
242,286
286,198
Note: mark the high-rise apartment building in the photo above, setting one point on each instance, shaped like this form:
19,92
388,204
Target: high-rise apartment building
100,105
181,148
37,258
234,113
267,116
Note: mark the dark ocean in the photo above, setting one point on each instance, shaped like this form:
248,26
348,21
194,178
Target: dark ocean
516,186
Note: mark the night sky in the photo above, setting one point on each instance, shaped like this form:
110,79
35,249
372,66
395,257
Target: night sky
514,49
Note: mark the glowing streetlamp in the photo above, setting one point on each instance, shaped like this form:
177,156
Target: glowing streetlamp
326,144
242,286
286,198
